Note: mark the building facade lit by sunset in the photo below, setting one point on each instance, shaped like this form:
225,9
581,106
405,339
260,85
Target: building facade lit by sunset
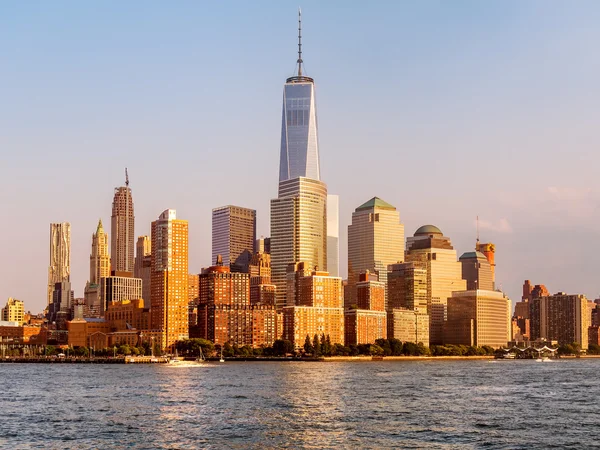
143,262
169,277
122,235
59,269
430,248
478,318
368,321
318,307
298,230
375,240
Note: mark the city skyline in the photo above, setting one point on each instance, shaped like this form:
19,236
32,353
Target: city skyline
520,219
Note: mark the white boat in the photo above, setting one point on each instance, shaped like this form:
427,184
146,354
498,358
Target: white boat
175,359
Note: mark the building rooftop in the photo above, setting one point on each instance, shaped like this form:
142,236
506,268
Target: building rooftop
471,255
375,202
427,230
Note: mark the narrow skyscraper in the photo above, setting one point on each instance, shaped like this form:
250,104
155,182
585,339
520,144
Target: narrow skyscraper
299,140
169,277
143,261
99,258
60,256
333,235
233,236
122,229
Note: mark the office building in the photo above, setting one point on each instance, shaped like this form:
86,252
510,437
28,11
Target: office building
489,251
169,277
118,287
333,235
233,236
60,256
477,271
122,229
375,240
59,310
263,245
14,311
299,156
370,293
407,286
560,317
408,325
262,291
478,318
431,249
298,230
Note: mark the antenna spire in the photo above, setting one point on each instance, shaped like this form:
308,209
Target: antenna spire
299,42
126,178
477,245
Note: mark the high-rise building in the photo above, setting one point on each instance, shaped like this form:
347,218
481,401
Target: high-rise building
233,236
333,235
298,230
122,229
60,256
408,325
299,139
169,277
478,318
489,251
430,248
99,259
263,245
225,313
375,240
318,306
117,287
407,286
561,317
62,301
14,311
368,322
477,271
262,291
143,261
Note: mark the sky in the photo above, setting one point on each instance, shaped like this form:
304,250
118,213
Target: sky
447,110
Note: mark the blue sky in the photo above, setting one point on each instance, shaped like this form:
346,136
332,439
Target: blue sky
448,110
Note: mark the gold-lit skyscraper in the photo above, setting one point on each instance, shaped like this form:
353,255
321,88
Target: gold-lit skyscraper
432,250
99,258
298,230
169,277
60,256
122,229
375,240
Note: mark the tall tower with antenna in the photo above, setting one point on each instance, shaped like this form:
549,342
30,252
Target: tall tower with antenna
299,156
489,251
122,229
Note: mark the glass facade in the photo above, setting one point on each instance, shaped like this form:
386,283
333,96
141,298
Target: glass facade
299,142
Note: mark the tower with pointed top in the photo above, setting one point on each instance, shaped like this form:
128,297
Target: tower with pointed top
122,229
99,259
299,156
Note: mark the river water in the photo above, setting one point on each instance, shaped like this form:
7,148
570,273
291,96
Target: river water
407,404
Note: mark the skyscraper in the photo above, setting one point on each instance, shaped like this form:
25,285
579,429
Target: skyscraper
434,251
143,251
333,235
99,259
298,230
60,256
233,236
477,271
375,240
169,277
299,140
122,229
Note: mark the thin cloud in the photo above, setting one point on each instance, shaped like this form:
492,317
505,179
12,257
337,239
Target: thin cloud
501,226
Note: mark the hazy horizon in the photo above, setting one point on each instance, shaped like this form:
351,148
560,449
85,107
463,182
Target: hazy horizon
445,110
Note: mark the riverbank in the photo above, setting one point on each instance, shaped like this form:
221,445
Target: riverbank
402,358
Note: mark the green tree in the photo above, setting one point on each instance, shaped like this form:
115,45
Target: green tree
385,345
316,345
308,347
228,350
422,350
124,350
395,346
328,346
594,349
